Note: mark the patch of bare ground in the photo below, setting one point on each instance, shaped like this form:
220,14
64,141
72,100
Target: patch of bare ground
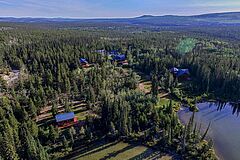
11,77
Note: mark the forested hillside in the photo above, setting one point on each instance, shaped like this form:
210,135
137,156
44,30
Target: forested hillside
105,96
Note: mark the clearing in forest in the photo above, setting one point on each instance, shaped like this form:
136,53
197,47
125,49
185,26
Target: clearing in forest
145,85
10,77
120,151
78,107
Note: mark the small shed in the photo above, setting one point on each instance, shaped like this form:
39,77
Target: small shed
66,119
84,62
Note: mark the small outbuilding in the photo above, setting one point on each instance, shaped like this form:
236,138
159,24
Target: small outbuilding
84,62
66,119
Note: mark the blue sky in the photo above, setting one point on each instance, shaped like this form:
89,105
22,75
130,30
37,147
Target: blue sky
112,8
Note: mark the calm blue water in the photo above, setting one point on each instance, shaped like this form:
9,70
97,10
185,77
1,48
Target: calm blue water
224,130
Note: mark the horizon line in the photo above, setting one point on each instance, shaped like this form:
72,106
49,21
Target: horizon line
89,18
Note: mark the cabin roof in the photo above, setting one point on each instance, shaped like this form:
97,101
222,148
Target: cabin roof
83,60
64,116
179,72
100,51
113,52
182,72
120,57
174,69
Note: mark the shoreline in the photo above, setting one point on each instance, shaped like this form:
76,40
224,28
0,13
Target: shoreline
224,128
184,122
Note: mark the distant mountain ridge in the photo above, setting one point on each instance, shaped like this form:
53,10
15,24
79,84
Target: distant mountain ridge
215,15
227,18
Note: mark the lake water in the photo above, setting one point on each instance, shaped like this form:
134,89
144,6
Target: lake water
224,129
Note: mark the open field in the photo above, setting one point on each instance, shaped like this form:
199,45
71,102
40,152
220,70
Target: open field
118,151
166,101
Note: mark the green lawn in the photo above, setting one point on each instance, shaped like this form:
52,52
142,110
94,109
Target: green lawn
81,111
165,101
145,86
148,85
81,115
119,151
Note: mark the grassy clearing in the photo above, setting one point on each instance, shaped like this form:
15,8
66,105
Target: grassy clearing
78,107
186,45
120,151
148,85
81,111
82,115
145,86
165,101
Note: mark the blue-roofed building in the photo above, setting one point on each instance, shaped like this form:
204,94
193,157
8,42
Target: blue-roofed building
174,70
119,57
102,51
180,73
66,119
113,52
83,61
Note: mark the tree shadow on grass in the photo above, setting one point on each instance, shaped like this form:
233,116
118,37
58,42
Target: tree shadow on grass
114,154
90,148
76,107
81,110
100,148
46,122
149,153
